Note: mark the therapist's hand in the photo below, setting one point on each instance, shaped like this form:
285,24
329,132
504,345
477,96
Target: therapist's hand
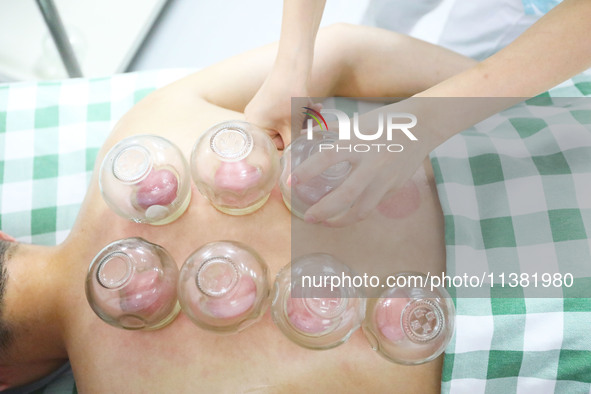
372,175
270,108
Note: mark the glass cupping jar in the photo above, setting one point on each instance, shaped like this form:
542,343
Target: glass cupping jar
308,310
299,197
224,286
410,323
132,283
145,178
235,166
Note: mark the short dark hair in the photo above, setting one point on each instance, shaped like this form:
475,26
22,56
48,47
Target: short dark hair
6,334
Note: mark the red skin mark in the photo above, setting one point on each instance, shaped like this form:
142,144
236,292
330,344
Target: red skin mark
303,319
312,191
401,203
146,294
240,300
159,188
388,315
236,176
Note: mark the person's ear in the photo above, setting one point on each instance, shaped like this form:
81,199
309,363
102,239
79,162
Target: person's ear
6,237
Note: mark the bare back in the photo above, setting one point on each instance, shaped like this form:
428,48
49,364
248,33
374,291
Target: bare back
184,358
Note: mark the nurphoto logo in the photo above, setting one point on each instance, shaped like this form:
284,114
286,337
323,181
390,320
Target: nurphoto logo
387,127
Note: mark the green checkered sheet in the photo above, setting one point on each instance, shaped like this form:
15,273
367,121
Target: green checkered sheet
516,195
50,133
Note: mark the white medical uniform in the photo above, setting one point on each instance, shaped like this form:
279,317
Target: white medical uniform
475,28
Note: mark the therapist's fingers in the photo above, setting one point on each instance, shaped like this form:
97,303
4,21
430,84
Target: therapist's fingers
278,141
341,199
318,163
365,204
348,218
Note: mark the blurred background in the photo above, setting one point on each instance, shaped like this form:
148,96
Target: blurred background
113,36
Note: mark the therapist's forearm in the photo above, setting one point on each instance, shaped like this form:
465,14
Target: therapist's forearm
301,19
554,49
